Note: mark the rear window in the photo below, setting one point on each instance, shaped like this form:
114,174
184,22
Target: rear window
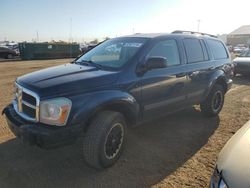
218,50
193,50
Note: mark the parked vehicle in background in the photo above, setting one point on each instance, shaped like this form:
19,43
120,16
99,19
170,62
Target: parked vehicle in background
14,47
87,48
242,63
233,166
120,83
239,48
7,53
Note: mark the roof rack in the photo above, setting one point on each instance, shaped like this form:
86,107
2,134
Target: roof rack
193,32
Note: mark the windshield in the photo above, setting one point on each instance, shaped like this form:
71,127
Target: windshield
113,53
245,54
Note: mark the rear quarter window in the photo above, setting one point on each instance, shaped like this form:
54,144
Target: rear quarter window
217,48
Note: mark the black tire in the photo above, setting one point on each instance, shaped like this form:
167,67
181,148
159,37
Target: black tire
105,139
214,102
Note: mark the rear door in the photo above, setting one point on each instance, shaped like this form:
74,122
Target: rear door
199,67
220,56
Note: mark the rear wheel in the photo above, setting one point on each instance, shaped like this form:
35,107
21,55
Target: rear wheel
104,140
214,102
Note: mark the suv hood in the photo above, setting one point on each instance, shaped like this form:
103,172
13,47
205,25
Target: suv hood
234,159
66,79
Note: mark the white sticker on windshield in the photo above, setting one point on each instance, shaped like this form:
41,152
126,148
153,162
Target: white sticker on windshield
133,44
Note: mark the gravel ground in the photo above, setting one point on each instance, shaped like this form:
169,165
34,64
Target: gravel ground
176,151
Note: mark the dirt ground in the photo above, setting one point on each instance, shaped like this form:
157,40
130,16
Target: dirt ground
177,151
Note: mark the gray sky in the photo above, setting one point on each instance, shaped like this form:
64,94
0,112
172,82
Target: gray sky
86,20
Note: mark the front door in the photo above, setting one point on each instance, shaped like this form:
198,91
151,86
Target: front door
163,90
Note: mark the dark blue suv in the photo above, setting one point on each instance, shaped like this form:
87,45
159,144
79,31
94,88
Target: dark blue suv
120,83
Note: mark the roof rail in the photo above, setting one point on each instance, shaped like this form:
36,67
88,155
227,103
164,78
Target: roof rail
193,32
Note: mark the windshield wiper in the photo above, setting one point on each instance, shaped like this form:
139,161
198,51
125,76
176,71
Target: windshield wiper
90,63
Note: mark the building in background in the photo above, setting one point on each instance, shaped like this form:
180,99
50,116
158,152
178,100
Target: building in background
223,37
239,36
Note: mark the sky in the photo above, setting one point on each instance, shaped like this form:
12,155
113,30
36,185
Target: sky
85,20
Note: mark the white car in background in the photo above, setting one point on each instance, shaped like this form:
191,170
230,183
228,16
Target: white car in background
239,48
233,165
242,63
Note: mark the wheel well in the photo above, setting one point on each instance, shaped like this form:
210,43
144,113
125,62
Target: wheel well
129,115
221,81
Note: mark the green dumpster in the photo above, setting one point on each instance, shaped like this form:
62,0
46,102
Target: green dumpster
30,51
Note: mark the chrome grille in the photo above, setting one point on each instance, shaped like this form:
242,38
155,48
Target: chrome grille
26,103
29,99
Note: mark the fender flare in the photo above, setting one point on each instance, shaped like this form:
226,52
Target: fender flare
86,106
218,77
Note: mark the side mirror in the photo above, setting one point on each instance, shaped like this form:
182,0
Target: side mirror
156,63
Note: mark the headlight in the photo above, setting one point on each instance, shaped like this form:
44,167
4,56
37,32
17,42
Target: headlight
55,111
217,180
215,177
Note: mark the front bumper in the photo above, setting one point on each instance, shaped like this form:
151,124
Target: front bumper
44,136
241,68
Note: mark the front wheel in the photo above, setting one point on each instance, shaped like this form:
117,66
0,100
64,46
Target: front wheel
105,139
214,102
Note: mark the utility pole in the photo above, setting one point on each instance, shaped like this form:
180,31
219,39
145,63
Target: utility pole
70,39
70,35
198,26
37,36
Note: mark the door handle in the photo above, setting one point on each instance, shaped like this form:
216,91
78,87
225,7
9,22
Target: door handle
211,68
180,75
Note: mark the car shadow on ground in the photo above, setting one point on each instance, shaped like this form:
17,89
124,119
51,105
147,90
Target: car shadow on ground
153,151
242,80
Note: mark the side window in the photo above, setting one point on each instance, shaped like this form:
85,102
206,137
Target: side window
218,49
167,49
193,50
